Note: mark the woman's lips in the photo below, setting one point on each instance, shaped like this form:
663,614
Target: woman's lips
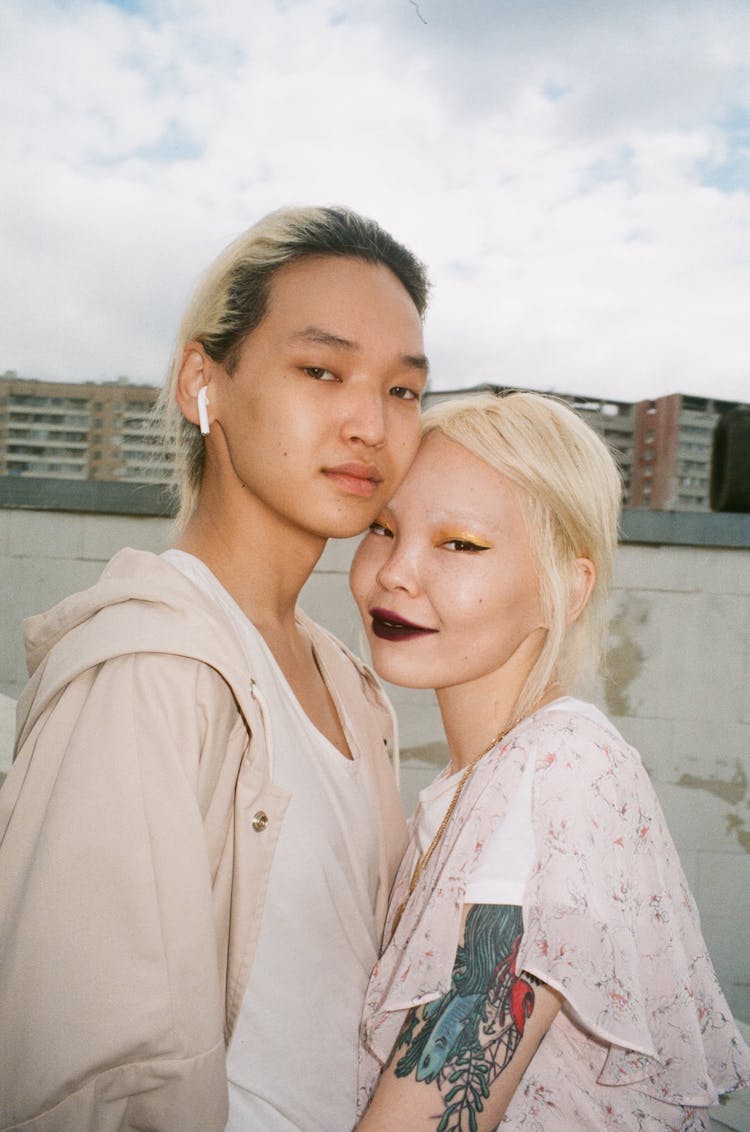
390,627
356,478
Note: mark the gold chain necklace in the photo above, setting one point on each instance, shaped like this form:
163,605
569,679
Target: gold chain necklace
425,857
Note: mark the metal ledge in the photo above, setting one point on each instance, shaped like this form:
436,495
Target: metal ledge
685,528
639,525
93,496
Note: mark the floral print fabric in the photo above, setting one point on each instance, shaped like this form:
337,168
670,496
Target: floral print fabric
645,1039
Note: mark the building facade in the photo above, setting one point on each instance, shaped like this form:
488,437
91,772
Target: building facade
612,420
103,432
62,430
672,446
663,447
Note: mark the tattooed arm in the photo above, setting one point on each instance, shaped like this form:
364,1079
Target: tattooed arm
458,1060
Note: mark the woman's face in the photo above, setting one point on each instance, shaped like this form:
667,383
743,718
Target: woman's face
445,580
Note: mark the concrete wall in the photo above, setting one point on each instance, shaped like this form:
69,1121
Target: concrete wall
678,683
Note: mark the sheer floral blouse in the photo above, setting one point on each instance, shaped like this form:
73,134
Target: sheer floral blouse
645,1038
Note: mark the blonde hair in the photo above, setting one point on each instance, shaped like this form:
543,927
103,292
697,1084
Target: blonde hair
232,299
571,492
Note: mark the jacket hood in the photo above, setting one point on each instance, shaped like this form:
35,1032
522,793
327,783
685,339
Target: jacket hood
141,603
131,576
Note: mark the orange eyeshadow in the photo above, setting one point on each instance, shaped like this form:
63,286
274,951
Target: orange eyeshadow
462,536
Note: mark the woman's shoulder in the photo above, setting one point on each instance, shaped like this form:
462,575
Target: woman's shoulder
576,727
573,737
590,786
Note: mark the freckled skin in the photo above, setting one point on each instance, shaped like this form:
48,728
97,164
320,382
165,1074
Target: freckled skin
484,603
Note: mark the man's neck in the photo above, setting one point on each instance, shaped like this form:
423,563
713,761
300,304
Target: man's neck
261,559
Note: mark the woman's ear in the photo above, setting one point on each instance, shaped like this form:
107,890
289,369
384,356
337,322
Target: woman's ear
584,577
194,375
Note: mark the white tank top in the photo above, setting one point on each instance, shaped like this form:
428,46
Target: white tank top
505,863
292,1060
500,874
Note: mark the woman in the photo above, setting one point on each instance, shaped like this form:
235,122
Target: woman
201,828
543,966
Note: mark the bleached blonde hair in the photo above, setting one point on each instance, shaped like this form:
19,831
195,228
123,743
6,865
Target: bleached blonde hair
233,296
571,492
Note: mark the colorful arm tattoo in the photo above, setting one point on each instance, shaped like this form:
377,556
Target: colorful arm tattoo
464,1040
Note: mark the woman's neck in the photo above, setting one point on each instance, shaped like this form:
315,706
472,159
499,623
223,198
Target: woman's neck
471,727
475,713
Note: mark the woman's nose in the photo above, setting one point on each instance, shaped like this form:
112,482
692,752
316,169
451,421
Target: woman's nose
399,571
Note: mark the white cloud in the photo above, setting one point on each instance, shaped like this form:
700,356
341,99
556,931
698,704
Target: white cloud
559,167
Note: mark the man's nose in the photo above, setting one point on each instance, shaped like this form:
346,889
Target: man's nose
364,418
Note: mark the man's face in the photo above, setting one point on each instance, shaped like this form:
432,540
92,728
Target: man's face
321,415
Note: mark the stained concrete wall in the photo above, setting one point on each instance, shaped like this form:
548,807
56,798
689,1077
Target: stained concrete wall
678,684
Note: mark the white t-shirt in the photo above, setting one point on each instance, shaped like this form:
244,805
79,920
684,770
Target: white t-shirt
292,1060
504,866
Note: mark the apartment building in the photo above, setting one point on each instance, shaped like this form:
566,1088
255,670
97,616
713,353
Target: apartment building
672,446
86,430
102,432
613,420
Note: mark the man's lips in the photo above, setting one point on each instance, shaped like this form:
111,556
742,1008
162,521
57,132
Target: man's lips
391,627
355,477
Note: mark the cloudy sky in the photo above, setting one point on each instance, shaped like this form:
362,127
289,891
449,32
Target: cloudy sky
576,174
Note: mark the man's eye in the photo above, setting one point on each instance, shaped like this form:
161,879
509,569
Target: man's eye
318,373
404,394
380,529
462,544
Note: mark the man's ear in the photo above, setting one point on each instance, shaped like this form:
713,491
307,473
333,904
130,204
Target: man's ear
584,577
195,373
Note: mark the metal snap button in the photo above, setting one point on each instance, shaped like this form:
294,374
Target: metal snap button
260,821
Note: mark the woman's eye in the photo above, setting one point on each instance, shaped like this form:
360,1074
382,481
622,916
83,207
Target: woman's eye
405,394
318,373
464,545
380,529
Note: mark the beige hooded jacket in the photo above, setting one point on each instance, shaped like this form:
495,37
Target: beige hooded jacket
137,829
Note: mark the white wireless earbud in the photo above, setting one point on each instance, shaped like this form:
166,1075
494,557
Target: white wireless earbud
202,400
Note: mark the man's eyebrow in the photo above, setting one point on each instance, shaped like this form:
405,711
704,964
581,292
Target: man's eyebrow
323,337
416,361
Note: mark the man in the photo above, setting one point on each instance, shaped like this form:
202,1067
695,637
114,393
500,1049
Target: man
199,833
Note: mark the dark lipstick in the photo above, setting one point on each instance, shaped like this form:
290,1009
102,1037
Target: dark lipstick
391,627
